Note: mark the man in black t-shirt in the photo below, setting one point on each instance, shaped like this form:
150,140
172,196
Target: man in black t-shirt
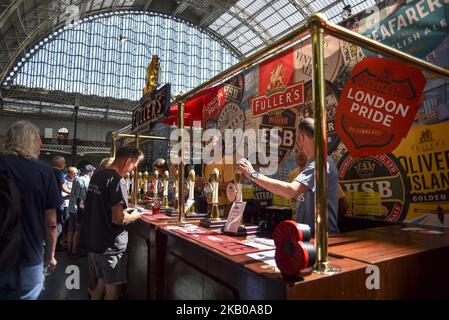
106,214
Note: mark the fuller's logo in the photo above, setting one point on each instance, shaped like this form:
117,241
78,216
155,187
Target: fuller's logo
285,122
153,107
426,136
291,96
365,169
277,78
426,142
276,89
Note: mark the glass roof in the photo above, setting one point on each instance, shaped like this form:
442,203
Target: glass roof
251,24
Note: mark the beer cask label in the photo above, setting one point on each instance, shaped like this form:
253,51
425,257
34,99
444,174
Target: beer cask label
424,155
375,186
285,122
377,106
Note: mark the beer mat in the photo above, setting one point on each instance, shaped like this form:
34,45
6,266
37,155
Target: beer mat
220,242
260,243
155,217
262,255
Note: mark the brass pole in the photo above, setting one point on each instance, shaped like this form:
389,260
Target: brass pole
181,184
321,182
113,147
136,171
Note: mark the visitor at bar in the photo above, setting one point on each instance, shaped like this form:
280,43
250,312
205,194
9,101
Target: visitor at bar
106,215
304,183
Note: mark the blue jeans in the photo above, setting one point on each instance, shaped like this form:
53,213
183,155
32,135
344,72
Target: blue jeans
26,287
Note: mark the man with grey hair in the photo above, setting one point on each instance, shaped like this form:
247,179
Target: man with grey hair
40,195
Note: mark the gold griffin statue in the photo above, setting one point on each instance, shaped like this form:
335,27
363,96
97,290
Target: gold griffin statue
152,76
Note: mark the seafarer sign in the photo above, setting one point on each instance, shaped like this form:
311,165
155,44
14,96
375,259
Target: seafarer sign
153,107
377,106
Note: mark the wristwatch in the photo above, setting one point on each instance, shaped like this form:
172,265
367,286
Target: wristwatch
254,176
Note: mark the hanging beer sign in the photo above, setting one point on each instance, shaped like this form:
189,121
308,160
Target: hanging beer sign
277,90
377,106
152,107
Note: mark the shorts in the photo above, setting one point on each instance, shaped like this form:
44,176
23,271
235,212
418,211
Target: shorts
65,215
73,222
111,267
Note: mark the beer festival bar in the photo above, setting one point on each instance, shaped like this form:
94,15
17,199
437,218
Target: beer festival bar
313,167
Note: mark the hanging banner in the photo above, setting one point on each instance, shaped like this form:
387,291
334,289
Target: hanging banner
416,27
276,88
377,106
153,107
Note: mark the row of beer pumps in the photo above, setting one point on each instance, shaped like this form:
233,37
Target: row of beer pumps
154,190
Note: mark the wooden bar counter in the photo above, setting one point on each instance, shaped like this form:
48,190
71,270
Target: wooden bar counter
165,264
192,270
142,257
413,260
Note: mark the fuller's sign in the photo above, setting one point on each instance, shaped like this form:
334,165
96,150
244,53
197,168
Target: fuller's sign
277,90
377,106
153,107
289,97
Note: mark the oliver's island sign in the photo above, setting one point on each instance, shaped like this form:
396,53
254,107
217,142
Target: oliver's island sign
152,107
378,105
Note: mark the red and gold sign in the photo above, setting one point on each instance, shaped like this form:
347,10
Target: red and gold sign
276,85
377,106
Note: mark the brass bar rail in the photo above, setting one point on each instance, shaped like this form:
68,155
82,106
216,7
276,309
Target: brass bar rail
181,169
276,46
126,135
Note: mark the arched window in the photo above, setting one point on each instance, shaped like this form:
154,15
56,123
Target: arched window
90,59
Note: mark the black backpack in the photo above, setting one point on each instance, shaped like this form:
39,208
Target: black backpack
10,227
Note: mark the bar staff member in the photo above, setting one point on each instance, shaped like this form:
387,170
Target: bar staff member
304,183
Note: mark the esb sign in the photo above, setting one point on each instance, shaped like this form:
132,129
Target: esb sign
377,106
153,107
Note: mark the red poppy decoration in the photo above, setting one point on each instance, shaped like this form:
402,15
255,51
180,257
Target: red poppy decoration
293,253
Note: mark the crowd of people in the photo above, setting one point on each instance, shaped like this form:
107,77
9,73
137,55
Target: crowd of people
48,208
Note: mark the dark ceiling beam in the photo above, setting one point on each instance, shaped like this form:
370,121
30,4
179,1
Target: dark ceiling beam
250,21
147,5
182,6
21,22
303,7
9,11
